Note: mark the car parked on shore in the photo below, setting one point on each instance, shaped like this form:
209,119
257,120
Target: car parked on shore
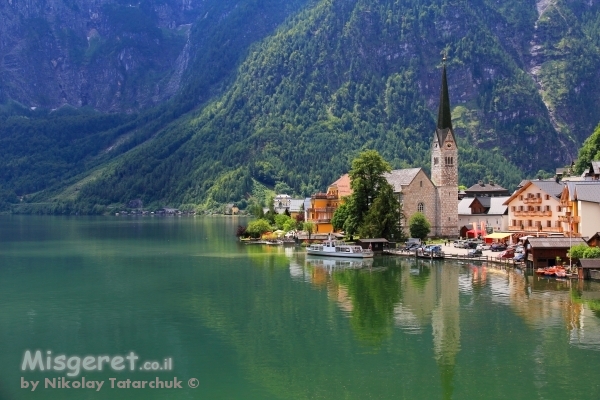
510,253
498,247
475,253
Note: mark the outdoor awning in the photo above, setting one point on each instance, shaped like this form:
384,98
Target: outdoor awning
497,235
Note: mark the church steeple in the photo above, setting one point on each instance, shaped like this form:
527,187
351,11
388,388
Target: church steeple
444,165
444,117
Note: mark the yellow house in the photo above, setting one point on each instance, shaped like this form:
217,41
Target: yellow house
580,201
323,205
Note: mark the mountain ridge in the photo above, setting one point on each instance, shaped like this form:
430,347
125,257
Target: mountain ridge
341,76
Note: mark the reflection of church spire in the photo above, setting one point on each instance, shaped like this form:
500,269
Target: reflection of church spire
446,327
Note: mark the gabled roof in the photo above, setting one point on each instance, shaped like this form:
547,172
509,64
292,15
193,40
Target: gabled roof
401,177
343,186
593,263
589,193
485,187
494,205
497,206
595,167
550,187
296,205
554,242
584,191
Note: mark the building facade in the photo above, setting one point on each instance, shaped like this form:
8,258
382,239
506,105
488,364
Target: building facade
536,208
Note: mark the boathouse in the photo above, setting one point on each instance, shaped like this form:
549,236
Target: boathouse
377,245
541,252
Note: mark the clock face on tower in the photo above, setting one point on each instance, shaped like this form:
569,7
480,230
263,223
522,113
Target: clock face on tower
448,145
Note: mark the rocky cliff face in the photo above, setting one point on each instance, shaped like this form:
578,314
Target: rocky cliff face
110,55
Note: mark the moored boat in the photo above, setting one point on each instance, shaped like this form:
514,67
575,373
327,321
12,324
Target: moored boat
335,248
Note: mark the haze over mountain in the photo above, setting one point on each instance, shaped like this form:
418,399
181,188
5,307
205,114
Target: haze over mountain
199,103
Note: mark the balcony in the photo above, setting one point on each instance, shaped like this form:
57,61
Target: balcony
564,218
532,200
322,210
532,229
514,227
556,229
324,196
532,213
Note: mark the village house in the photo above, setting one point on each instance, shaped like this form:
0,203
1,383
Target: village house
580,202
535,208
490,189
436,196
282,202
593,171
484,212
322,206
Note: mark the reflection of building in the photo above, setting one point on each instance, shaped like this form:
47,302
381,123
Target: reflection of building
433,293
445,321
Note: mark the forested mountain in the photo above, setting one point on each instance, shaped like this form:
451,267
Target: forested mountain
268,92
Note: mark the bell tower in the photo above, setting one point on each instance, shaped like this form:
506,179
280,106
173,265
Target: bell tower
444,166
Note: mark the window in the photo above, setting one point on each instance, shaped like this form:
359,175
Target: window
529,222
539,208
549,224
548,208
538,195
421,207
558,208
421,183
521,197
547,197
520,208
436,160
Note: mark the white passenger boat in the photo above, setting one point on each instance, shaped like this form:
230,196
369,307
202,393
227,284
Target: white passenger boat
335,248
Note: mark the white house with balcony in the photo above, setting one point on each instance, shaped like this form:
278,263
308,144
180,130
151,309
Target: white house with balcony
535,208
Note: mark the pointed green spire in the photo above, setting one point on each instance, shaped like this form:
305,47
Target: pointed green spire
444,118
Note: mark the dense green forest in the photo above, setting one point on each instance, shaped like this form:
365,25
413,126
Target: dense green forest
291,107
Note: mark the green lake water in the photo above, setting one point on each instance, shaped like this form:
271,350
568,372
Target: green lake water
257,322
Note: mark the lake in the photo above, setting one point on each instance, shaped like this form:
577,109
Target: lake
231,321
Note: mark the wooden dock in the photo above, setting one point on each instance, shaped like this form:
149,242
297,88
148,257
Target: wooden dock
460,257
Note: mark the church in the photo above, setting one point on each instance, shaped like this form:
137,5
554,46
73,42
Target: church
436,196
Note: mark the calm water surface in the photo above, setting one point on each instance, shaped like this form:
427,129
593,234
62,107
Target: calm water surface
251,322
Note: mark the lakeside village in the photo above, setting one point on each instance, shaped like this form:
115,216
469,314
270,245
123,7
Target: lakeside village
550,225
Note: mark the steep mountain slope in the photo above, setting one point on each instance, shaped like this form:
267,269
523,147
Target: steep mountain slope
119,56
344,75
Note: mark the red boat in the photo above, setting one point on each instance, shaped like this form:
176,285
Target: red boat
559,272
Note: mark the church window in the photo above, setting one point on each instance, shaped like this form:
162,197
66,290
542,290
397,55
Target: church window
436,160
421,183
421,207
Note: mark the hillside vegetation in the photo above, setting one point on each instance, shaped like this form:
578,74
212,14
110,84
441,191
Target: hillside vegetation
337,78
